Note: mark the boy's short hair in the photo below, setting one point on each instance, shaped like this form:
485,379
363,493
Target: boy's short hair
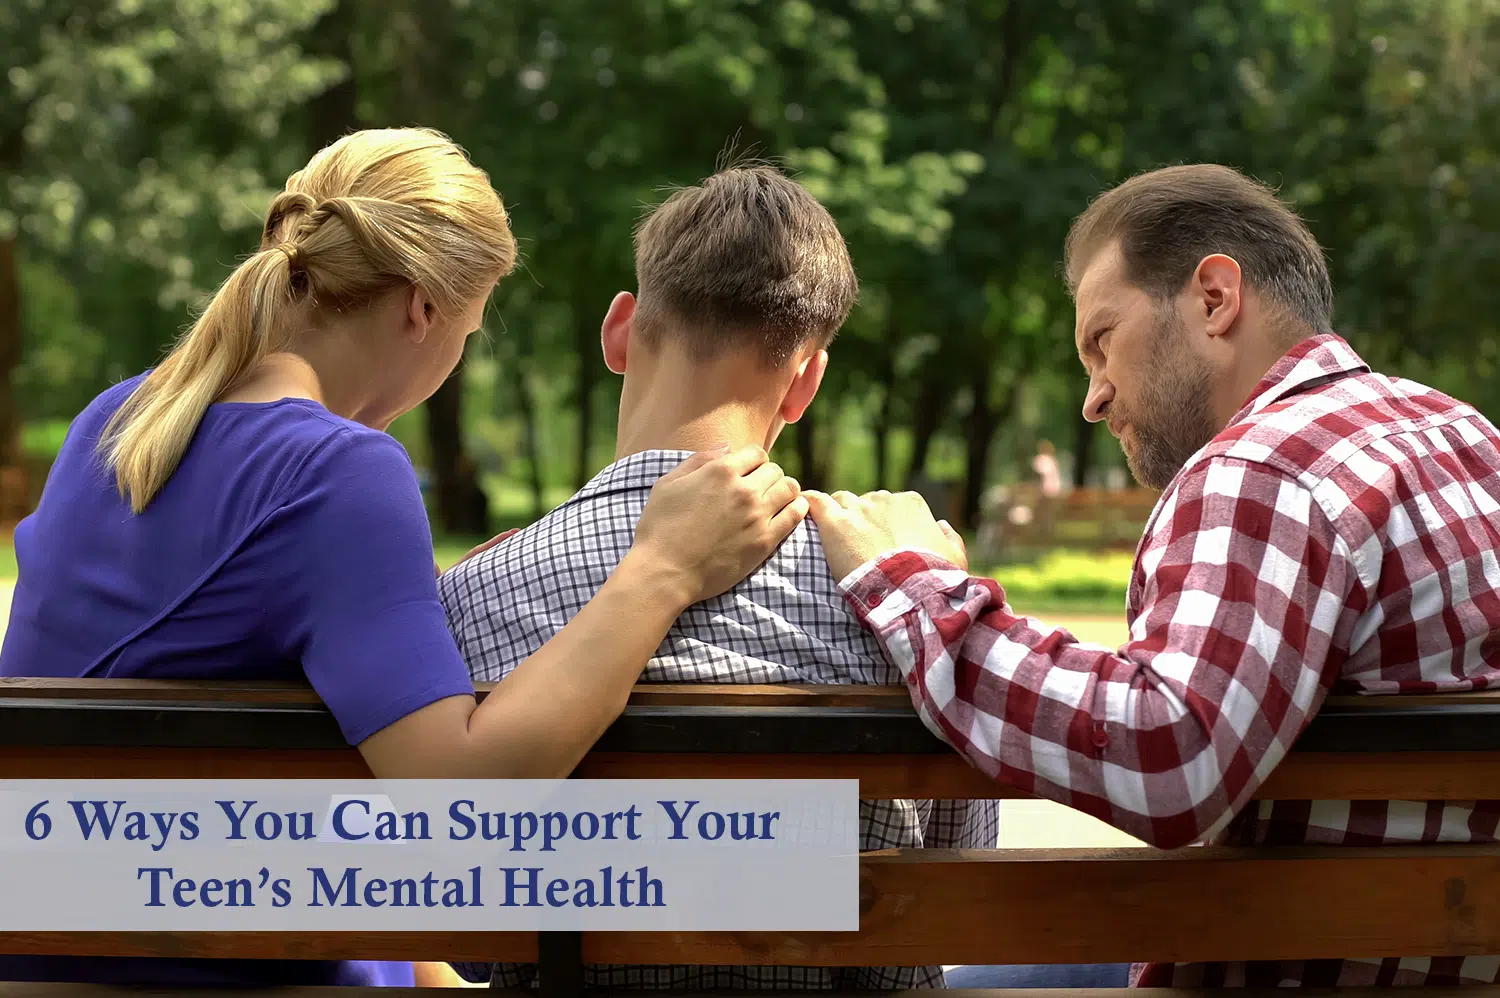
746,258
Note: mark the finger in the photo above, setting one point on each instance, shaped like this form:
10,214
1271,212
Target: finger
845,499
781,493
697,461
499,538
745,459
763,478
954,536
821,507
783,523
913,499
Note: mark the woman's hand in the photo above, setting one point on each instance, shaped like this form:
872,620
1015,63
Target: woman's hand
499,538
856,529
713,520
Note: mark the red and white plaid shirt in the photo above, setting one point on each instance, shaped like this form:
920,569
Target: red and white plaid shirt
1341,533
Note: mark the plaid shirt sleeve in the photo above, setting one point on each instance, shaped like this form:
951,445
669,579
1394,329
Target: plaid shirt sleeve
1244,591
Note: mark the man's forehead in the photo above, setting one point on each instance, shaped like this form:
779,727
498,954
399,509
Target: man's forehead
1103,270
1094,300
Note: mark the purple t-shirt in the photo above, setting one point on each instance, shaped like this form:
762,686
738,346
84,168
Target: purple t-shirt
289,543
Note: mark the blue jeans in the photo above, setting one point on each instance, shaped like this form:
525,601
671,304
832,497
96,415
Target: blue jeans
1041,975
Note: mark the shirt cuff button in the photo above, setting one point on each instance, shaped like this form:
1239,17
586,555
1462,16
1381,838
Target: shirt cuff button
873,600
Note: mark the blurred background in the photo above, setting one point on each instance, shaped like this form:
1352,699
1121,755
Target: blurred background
954,140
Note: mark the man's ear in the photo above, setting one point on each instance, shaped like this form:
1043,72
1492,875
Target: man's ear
1216,289
419,314
616,331
804,386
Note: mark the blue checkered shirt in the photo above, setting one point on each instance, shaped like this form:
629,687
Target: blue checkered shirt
787,623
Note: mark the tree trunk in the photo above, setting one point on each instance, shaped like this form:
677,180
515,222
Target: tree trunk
979,433
928,417
463,508
10,353
15,502
1083,448
333,113
887,414
529,437
588,377
426,41
882,431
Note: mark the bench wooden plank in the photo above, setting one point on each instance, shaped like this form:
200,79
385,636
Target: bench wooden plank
1365,748
261,692
1310,776
1190,905
1302,776
1008,906
416,946
102,991
674,720
208,691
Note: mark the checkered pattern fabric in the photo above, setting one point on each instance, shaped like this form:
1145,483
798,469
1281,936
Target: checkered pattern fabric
1341,533
787,623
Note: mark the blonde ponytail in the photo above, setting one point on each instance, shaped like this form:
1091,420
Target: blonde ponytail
374,211
145,439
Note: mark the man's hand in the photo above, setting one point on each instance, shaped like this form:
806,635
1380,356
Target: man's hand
856,529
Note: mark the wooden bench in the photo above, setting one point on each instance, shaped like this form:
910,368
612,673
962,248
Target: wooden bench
1087,518
917,906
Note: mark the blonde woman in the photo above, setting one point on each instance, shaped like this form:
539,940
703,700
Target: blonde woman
239,513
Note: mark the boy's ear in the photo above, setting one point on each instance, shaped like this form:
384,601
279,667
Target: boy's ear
616,331
804,386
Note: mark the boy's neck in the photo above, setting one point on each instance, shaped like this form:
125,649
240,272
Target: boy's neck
672,403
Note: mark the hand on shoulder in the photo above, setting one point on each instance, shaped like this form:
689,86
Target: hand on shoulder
856,529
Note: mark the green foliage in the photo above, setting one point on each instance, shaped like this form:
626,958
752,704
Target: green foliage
953,139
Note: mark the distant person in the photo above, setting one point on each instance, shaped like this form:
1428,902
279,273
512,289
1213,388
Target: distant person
1050,474
1322,527
743,281
1047,470
238,513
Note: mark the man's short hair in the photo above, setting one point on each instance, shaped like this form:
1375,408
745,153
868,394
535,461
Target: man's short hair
1168,220
747,258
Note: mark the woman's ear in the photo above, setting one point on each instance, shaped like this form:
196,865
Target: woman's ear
616,331
419,314
804,386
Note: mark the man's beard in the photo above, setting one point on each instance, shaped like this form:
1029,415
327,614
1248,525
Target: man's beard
1173,417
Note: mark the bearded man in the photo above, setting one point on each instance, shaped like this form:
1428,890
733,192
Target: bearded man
1321,527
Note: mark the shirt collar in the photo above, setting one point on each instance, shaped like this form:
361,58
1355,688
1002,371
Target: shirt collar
1317,358
631,473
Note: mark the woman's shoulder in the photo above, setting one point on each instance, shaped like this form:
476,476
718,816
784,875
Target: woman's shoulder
315,451
277,450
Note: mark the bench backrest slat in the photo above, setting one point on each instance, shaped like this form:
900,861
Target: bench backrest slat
1009,906
1367,748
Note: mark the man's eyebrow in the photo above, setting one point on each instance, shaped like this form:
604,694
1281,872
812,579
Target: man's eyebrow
1106,316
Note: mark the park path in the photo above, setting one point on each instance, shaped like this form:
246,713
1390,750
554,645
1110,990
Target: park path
1024,824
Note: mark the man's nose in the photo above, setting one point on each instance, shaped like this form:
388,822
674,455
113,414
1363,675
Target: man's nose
1097,401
